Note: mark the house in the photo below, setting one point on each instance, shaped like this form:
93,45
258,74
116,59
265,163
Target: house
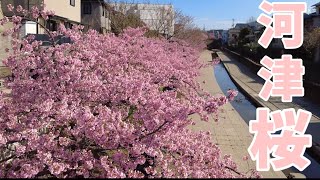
66,12
255,26
218,33
313,20
215,34
211,34
225,36
95,14
157,17
316,21
235,32
256,31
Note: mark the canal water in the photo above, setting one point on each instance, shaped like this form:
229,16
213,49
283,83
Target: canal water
248,112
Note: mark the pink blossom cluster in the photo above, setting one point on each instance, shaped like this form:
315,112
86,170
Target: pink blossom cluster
106,106
216,61
232,94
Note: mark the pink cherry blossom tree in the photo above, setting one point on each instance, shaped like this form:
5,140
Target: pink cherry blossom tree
105,106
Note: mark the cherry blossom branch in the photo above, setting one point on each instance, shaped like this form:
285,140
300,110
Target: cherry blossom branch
65,93
229,168
155,131
8,158
48,32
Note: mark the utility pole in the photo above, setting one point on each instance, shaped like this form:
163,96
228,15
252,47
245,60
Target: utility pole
233,20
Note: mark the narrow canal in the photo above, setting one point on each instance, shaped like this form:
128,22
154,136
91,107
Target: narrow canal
248,112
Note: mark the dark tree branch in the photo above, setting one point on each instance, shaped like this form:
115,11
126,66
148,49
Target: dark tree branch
7,159
155,131
229,168
48,32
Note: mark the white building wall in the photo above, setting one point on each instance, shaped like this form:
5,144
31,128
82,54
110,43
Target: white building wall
64,9
29,27
151,15
225,36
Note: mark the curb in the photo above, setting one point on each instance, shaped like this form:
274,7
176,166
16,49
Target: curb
314,151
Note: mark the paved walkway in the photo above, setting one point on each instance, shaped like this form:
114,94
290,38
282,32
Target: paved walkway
4,41
4,72
231,133
251,84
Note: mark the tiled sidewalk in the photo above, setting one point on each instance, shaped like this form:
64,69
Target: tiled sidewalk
231,133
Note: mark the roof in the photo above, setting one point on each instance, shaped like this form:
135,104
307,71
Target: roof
306,16
250,35
241,26
316,5
255,25
310,16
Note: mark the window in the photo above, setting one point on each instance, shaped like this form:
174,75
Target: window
72,2
51,25
103,11
68,25
86,8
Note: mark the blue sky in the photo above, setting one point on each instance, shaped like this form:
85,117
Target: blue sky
214,14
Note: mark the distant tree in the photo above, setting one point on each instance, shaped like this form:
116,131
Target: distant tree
120,22
243,33
186,30
261,31
160,20
312,40
163,20
312,44
182,22
120,19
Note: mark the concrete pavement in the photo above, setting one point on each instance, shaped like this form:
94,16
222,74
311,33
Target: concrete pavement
231,133
251,85
4,42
